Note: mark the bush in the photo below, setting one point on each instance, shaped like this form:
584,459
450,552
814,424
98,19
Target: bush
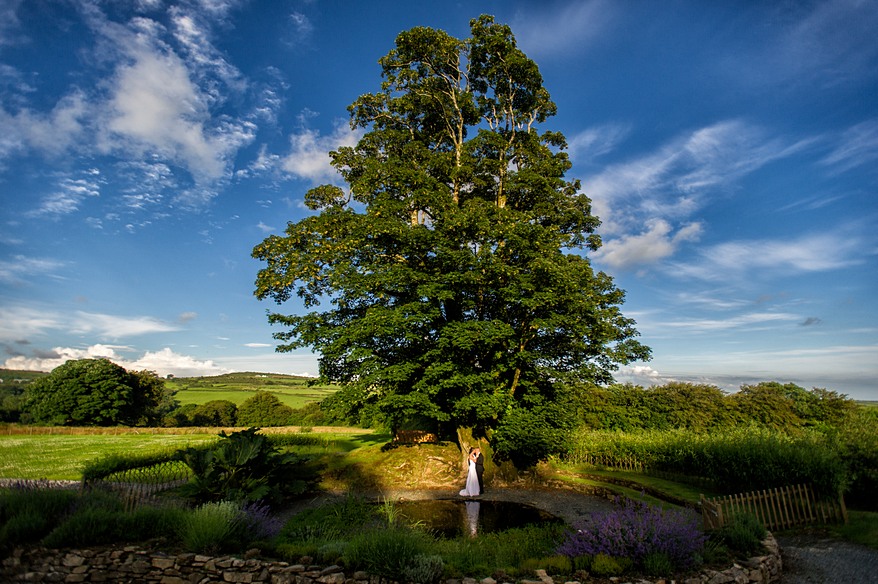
213,527
386,552
635,530
604,565
28,512
743,534
264,409
244,466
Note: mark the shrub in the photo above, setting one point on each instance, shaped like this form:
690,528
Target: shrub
244,466
424,569
657,564
28,512
635,530
213,527
386,552
604,565
743,534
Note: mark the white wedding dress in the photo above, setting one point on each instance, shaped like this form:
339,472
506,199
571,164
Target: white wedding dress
472,482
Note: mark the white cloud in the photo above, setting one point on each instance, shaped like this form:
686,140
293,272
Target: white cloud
857,146
50,133
114,327
543,31
69,197
22,268
162,103
732,261
167,362
257,345
163,362
309,153
673,181
595,142
653,245
22,322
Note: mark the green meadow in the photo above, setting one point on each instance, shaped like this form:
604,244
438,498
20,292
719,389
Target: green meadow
291,390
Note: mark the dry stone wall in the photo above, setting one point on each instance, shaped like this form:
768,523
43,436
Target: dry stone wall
133,564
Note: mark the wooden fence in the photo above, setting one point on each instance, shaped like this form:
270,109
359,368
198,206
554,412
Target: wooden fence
139,485
779,508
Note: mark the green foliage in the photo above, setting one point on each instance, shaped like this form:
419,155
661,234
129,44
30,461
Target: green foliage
96,392
390,553
786,407
244,466
27,514
216,412
64,518
736,460
213,527
604,565
264,409
454,266
742,534
657,565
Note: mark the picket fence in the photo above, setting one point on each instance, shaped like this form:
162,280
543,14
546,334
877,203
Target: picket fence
140,485
779,508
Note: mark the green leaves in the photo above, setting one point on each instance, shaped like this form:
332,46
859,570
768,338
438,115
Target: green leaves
95,392
448,283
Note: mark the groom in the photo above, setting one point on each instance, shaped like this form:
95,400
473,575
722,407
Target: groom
480,468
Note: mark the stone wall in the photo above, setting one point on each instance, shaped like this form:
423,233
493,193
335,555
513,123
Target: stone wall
137,565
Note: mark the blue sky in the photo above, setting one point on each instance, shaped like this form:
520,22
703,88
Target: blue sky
730,149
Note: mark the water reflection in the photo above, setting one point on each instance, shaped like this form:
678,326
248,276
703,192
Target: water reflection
469,518
472,517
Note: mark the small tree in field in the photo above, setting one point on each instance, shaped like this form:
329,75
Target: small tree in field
95,392
454,264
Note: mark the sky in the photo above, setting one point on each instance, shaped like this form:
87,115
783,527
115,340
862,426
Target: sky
730,150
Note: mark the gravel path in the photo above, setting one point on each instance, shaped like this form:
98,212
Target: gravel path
811,559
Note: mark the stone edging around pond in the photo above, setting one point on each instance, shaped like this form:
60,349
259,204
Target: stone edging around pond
135,564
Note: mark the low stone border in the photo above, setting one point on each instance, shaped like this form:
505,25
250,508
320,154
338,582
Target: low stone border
135,564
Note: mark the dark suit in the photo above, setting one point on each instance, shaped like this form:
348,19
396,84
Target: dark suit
480,470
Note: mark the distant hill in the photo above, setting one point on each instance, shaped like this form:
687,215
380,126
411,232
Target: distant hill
293,390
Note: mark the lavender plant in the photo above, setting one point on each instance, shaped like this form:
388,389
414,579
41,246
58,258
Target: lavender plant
636,530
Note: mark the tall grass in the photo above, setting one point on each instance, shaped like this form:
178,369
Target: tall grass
740,459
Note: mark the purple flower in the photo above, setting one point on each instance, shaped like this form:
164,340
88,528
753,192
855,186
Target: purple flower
635,530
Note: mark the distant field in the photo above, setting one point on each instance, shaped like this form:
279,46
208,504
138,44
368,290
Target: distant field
236,387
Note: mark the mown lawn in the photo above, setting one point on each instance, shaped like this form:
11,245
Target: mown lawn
61,453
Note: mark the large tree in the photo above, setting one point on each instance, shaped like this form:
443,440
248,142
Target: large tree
453,265
95,392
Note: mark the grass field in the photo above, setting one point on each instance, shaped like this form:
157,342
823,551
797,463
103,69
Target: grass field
236,387
60,453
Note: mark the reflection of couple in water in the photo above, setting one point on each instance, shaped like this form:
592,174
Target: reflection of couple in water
475,470
474,487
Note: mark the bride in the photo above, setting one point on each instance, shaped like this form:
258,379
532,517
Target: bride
472,479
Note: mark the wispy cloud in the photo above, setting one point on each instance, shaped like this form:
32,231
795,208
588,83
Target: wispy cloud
544,31
740,261
664,188
857,146
20,269
69,196
50,133
811,43
39,321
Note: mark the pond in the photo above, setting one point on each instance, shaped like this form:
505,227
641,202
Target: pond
453,518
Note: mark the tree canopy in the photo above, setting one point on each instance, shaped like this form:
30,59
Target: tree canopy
95,392
449,282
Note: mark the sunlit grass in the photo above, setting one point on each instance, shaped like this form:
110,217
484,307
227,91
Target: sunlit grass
62,456
61,453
